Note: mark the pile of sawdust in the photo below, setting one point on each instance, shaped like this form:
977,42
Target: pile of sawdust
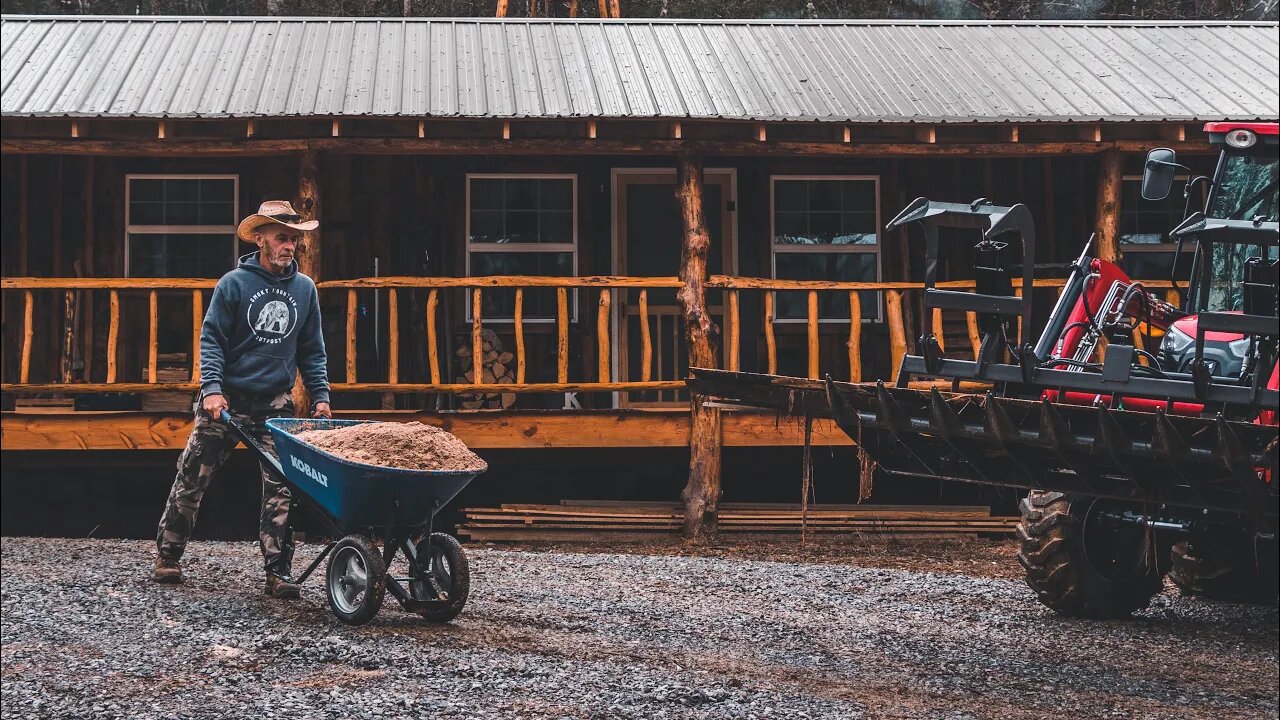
409,446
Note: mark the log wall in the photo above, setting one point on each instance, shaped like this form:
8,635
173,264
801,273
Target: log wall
409,213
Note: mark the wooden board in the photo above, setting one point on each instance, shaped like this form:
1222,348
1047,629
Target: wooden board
618,520
25,430
514,429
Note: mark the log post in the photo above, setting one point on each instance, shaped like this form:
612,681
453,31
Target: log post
702,493
855,337
113,337
477,337
28,333
1106,243
812,334
518,329
153,336
646,342
897,332
352,310
770,341
734,339
308,205
197,324
393,337
562,335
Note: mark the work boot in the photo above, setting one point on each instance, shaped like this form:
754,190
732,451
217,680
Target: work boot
278,587
166,571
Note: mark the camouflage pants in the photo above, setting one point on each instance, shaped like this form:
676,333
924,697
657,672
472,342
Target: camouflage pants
209,446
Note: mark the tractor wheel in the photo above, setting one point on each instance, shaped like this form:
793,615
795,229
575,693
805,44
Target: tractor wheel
1079,565
1220,572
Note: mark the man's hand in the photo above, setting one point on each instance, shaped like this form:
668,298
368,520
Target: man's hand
322,411
214,405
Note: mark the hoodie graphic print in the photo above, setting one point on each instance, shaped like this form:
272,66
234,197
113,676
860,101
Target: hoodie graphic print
260,331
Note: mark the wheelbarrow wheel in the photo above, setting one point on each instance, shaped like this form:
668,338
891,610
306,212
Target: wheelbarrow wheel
356,580
448,562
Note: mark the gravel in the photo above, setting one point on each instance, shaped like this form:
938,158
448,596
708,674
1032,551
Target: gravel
748,631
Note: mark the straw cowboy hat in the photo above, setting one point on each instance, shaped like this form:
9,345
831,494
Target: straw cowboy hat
277,212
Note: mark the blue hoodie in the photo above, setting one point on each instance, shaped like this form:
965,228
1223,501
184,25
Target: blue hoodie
260,329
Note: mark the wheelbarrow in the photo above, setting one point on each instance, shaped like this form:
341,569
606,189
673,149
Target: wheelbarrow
355,502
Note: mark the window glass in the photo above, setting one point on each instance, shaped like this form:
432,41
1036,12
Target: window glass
825,229
181,226
521,210
179,255
521,226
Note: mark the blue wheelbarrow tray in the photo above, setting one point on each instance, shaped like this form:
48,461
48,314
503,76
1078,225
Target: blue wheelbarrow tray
358,496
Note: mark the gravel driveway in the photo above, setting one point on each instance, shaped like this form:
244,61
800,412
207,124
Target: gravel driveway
912,631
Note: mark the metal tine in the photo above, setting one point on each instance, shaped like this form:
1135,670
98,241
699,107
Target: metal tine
1007,435
999,423
1113,441
1055,431
948,423
1229,448
890,414
845,417
1169,443
944,418
1232,454
888,409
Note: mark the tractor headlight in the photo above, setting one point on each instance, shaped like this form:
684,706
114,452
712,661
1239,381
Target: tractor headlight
1240,348
1242,139
1175,341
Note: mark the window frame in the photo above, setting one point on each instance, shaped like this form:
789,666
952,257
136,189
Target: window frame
130,229
774,246
571,248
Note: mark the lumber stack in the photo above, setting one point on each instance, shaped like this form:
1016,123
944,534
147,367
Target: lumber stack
604,520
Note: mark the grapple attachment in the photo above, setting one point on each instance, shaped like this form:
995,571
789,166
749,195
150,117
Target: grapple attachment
1150,457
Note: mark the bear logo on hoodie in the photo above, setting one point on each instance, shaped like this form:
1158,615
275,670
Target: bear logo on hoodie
272,315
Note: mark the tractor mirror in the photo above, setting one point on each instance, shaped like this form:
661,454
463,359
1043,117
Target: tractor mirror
1157,175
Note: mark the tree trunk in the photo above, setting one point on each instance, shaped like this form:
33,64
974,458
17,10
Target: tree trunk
702,493
1106,242
308,205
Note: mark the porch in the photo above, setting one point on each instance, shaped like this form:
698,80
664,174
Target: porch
613,378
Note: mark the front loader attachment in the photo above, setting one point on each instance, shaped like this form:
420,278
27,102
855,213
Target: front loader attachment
1147,457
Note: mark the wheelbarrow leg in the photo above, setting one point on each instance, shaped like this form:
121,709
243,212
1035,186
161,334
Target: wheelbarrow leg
316,563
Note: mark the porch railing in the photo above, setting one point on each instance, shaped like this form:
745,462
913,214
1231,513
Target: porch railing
601,378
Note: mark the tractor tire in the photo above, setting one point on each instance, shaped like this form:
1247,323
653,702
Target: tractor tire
1053,536
1219,573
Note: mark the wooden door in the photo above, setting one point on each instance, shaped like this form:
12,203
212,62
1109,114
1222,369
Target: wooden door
649,236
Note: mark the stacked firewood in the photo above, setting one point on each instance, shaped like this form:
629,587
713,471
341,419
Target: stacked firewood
495,368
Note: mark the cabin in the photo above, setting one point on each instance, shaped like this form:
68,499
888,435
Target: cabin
531,227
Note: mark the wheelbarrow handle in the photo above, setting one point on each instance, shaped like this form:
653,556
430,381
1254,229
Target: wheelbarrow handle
251,442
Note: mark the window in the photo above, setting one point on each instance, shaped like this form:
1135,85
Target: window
180,225
826,228
1146,252
522,225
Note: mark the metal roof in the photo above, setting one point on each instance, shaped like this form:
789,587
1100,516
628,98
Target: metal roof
838,71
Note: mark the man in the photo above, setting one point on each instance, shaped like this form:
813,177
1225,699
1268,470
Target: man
262,327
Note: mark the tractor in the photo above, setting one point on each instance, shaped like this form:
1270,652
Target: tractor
1143,431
